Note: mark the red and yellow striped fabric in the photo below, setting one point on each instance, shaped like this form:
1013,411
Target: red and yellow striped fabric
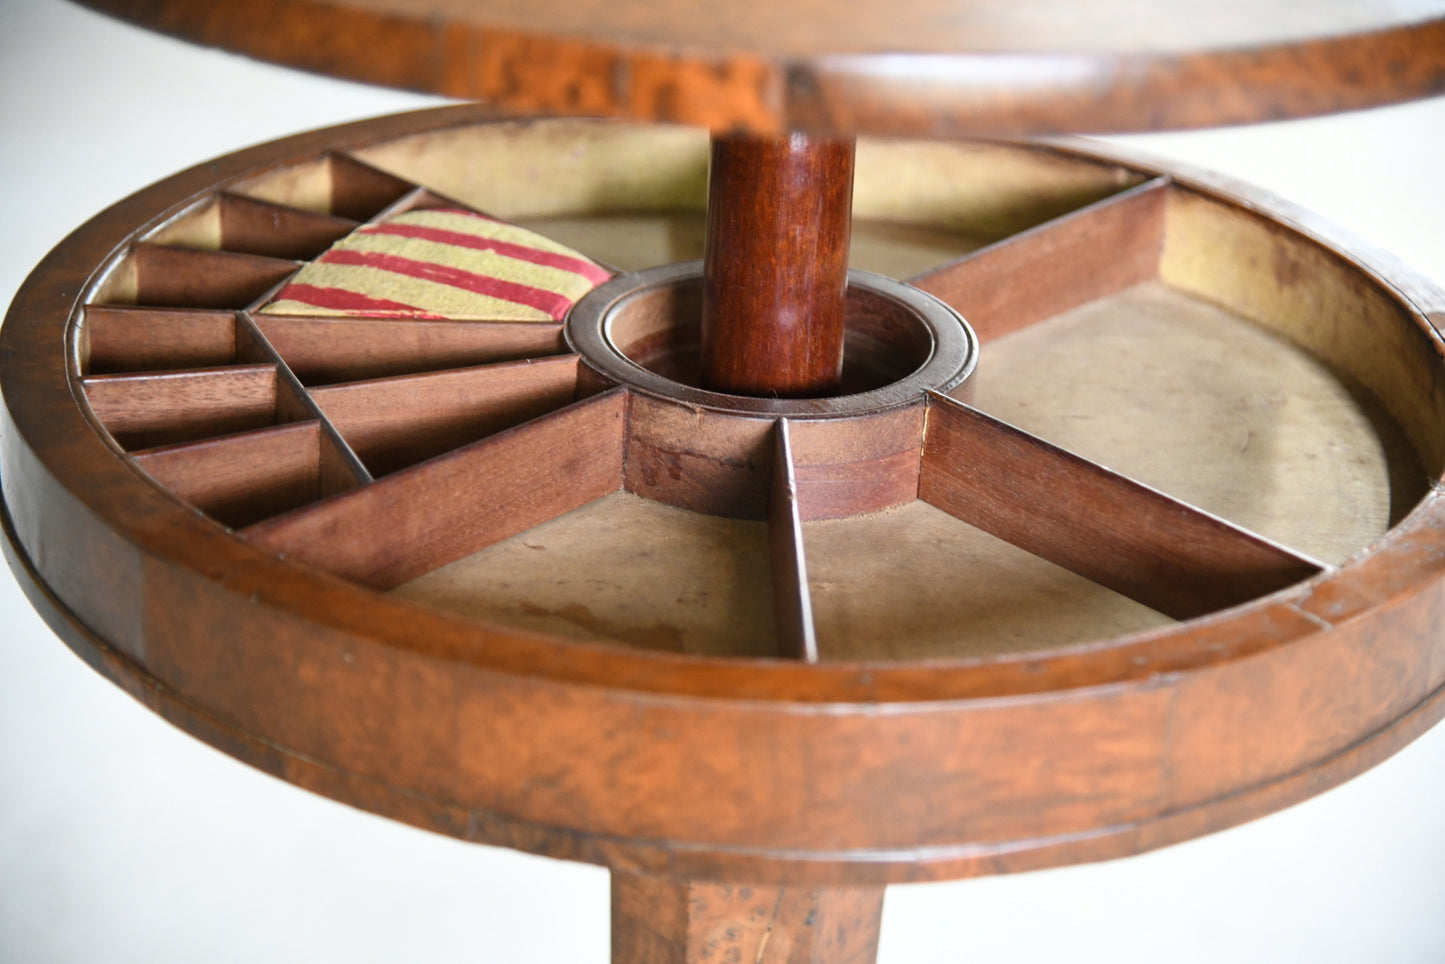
441,263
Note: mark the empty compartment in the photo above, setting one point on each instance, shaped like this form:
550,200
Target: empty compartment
327,350
159,276
915,583
394,422
126,339
244,478
332,184
1198,402
141,411
622,570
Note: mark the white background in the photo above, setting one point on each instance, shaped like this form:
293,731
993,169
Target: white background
121,839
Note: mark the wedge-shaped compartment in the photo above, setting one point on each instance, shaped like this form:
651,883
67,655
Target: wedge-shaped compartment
332,184
234,222
244,478
159,408
623,570
913,582
116,339
1197,401
323,351
1108,528
394,422
161,276
423,517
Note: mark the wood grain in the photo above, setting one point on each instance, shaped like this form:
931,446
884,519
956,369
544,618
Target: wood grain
168,277
359,191
852,466
713,769
1086,254
244,478
415,520
661,921
1077,514
326,350
250,226
142,411
792,602
775,267
124,339
985,67
394,422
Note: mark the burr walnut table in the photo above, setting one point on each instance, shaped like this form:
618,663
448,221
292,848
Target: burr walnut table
761,630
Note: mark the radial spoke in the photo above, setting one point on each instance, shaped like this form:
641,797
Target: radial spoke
792,603
1086,254
411,522
1103,526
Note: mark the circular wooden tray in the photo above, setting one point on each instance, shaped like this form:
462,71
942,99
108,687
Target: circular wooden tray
180,498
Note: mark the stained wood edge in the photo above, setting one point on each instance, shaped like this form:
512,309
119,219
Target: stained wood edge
645,857
939,94
792,601
324,351
1113,530
1094,251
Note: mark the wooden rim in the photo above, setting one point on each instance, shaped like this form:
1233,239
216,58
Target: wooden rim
941,768
918,68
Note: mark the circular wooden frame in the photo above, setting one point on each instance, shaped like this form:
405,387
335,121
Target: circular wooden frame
689,766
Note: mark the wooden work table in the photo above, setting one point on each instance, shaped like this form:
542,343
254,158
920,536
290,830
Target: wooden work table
158,846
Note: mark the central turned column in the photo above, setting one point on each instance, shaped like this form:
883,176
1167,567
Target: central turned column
775,268
775,275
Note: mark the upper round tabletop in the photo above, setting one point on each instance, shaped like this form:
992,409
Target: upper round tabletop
930,67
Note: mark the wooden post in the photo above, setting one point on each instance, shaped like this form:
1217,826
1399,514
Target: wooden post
659,921
776,264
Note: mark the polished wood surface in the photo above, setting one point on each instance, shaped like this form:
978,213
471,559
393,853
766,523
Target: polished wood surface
917,66
782,792
272,645
660,921
775,268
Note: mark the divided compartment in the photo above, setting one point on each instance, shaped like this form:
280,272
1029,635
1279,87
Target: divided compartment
245,478
332,184
160,276
234,222
150,409
323,351
118,339
395,422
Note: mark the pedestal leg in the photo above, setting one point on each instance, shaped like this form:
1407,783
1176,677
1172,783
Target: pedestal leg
776,264
659,921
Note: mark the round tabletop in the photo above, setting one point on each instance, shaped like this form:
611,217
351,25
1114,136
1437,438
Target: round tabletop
931,67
